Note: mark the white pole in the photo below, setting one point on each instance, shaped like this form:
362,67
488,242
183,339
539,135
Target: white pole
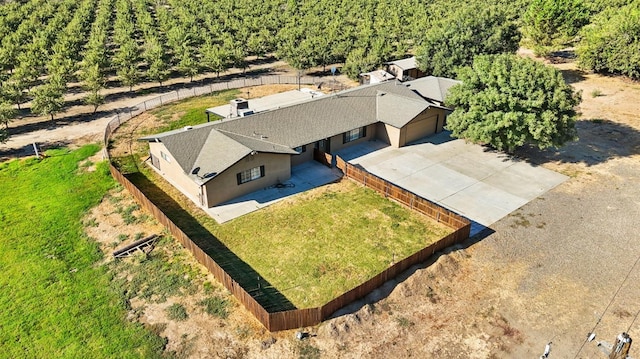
35,149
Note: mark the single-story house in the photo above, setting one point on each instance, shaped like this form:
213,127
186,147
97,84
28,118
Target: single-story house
405,69
215,162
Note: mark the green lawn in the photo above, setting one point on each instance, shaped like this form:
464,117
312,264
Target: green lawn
56,302
311,248
327,241
191,111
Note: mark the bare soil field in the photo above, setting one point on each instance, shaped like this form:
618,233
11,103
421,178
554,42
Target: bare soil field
560,267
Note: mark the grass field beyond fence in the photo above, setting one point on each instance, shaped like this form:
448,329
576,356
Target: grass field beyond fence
55,302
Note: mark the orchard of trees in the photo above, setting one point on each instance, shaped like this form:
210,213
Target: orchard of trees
47,45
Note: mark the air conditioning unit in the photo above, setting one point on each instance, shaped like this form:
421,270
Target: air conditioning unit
238,105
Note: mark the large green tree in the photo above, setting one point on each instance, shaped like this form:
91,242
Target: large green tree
47,100
507,101
611,43
456,39
554,22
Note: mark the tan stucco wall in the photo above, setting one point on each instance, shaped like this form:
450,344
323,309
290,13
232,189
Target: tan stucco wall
303,157
381,133
336,141
224,186
173,173
421,126
395,71
392,135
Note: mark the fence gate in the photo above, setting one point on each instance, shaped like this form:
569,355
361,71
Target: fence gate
322,157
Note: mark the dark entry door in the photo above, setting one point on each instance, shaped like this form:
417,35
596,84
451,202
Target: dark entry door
324,145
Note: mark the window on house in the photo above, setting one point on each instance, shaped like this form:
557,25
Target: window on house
354,134
250,175
301,149
165,157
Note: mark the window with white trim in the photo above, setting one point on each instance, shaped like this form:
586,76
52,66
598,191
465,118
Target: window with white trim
165,156
250,175
354,134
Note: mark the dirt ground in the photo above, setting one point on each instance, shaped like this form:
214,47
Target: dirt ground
560,267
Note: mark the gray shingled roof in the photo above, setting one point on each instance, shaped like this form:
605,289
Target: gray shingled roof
257,144
218,153
210,150
405,64
435,88
184,145
320,118
215,146
397,111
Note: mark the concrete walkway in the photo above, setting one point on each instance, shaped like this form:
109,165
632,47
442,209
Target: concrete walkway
304,177
481,185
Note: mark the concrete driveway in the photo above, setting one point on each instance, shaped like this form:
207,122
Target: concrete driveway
481,185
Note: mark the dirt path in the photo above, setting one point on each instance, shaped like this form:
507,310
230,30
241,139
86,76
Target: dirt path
61,132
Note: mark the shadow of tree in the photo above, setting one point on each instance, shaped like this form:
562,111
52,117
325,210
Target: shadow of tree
261,290
572,76
28,150
598,141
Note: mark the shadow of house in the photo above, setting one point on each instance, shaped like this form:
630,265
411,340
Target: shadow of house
261,290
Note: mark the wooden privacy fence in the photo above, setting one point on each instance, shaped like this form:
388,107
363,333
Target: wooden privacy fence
407,198
296,318
322,157
236,289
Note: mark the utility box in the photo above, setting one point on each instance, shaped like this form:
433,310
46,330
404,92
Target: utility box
245,112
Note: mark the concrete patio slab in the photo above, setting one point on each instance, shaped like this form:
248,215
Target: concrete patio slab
489,164
303,178
523,180
399,166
